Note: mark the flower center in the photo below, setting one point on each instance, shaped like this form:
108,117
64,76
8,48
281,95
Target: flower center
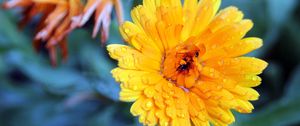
182,65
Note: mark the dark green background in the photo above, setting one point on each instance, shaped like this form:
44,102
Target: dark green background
81,91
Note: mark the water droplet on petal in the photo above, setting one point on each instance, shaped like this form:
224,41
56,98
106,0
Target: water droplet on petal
219,87
149,104
254,78
148,122
214,46
231,47
168,102
118,78
130,75
181,115
123,49
221,62
157,114
211,70
166,124
126,30
241,33
142,118
172,92
145,80
205,90
135,88
211,74
236,60
149,92
248,77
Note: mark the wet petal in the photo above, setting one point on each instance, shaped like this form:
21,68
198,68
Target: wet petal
132,59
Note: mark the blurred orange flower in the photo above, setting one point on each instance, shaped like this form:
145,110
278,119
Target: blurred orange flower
60,17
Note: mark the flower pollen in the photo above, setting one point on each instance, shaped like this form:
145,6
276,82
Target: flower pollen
181,65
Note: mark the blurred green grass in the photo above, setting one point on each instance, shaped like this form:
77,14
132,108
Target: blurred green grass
81,91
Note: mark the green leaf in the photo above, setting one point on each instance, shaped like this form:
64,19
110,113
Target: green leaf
273,76
280,10
293,86
293,29
11,34
97,64
2,67
103,118
42,72
53,77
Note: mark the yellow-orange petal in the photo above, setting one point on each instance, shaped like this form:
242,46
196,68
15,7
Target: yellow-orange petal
227,35
205,13
225,17
245,93
243,106
220,116
139,39
134,79
129,95
238,66
248,44
132,59
198,122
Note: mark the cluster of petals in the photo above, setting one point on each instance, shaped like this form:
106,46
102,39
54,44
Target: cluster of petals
184,63
57,18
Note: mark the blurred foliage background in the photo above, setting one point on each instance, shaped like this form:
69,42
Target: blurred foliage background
81,91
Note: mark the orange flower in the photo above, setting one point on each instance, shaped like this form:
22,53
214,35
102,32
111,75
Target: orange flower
60,17
184,64
102,10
